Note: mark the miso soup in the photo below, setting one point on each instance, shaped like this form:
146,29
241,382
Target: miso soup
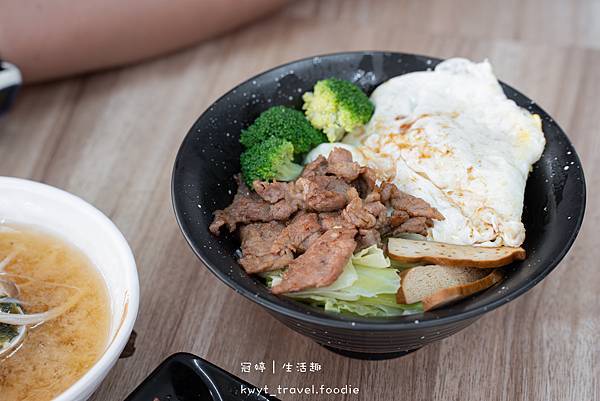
50,274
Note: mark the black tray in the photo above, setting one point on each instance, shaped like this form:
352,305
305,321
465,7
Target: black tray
187,377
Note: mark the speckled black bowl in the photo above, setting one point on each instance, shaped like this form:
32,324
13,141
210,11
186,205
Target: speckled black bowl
203,182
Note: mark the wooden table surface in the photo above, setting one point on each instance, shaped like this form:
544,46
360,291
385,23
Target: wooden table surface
111,138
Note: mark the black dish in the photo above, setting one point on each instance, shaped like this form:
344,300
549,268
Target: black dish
203,182
186,377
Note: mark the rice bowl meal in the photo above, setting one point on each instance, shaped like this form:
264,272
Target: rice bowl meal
388,205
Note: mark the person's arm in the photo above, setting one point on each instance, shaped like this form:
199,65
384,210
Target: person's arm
54,38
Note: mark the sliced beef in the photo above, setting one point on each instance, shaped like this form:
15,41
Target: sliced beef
315,168
340,164
257,243
337,207
387,191
321,264
416,225
297,236
398,217
415,207
311,239
331,220
374,196
366,238
380,211
366,214
366,181
356,214
314,194
272,192
323,193
248,207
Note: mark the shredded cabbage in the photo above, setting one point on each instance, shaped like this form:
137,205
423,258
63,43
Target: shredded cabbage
383,305
371,257
366,287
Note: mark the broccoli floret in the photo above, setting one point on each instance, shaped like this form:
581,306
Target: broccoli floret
285,123
336,107
270,160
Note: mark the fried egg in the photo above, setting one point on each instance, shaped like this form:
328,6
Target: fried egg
453,138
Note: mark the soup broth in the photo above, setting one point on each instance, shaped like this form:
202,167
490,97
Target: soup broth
56,353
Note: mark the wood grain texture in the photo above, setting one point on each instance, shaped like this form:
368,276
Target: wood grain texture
111,138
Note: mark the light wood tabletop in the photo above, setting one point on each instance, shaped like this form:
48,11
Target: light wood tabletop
111,138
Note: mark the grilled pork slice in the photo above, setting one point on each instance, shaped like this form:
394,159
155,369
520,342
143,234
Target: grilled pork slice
321,264
430,252
435,285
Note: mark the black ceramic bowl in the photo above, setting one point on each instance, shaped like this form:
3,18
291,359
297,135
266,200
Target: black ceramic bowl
209,157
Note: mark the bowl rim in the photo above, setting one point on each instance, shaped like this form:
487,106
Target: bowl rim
98,371
380,325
